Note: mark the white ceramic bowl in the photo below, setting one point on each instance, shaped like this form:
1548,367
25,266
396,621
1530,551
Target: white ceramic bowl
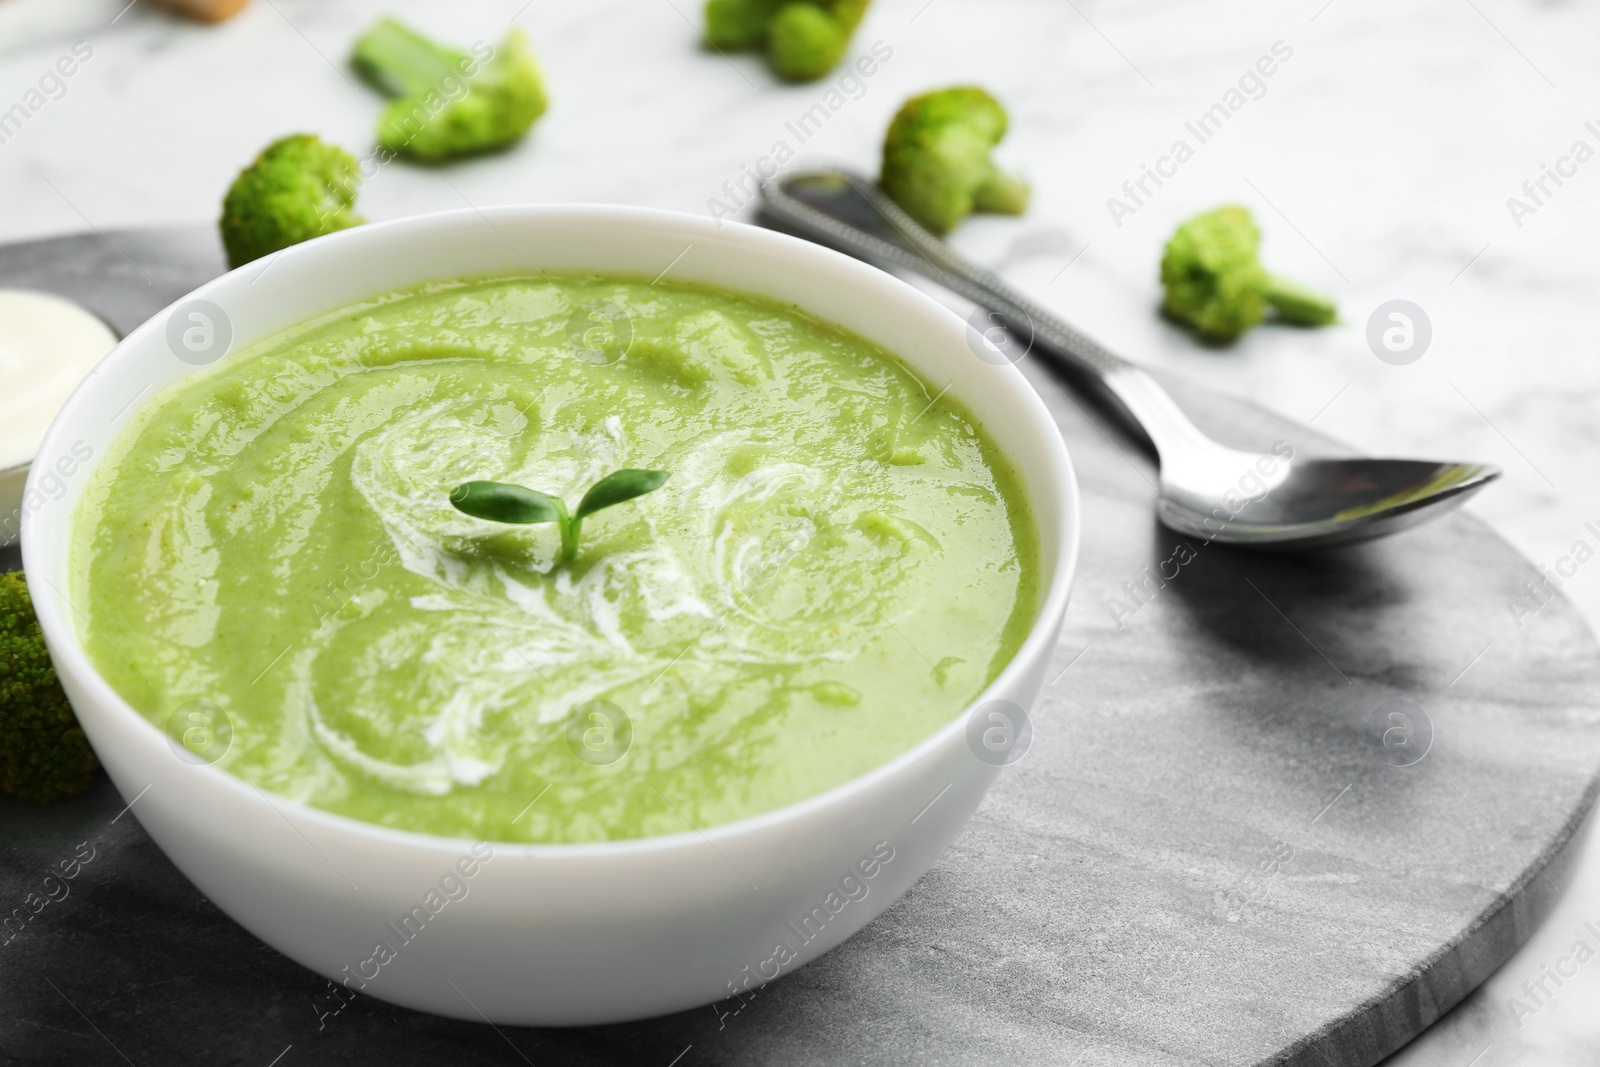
553,934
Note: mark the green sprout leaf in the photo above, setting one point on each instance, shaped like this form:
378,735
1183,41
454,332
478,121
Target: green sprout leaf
618,487
503,502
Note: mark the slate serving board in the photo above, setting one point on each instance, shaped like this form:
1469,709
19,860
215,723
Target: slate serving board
1222,848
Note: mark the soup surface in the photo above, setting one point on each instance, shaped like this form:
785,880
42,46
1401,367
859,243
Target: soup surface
269,566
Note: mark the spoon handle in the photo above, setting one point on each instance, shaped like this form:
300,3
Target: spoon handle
852,214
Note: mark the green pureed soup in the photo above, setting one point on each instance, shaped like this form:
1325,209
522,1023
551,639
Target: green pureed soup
269,566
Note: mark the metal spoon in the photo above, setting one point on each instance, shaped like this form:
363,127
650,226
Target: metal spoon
1208,490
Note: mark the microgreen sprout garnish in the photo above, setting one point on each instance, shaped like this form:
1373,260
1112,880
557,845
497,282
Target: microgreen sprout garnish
503,502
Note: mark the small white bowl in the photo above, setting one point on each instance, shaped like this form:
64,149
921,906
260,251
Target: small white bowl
47,344
550,934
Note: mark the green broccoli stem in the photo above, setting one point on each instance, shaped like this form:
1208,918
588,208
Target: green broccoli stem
403,62
1301,306
737,24
1002,194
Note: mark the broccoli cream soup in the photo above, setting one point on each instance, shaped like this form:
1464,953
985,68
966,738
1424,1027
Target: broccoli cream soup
270,567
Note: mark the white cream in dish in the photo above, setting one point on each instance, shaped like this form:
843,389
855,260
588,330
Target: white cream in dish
47,345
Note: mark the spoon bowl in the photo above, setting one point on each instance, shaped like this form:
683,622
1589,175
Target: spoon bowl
1314,503
1275,500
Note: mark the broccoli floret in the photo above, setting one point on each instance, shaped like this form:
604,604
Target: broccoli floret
936,159
448,103
1215,282
804,39
297,189
43,753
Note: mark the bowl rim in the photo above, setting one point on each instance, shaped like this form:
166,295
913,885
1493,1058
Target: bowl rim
67,648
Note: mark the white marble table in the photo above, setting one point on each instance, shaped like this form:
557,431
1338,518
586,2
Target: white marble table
1379,158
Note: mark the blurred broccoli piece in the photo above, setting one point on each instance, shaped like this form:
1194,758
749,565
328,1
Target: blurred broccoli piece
297,189
1215,282
448,103
936,159
804,39
737,25
44,755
